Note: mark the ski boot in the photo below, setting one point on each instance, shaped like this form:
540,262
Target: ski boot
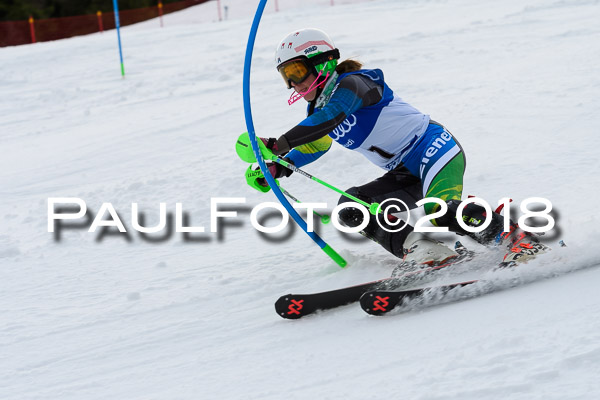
522,246
422,252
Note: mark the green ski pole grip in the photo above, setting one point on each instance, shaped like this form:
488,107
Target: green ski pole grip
335,256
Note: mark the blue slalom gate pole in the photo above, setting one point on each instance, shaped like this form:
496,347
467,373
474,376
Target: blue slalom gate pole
118,26
259,158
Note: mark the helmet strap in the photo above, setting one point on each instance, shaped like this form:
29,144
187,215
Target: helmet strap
323,97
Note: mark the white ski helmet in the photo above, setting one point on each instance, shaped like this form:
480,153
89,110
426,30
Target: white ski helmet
312,46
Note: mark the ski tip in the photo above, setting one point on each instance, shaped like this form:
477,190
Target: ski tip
376,303
290,307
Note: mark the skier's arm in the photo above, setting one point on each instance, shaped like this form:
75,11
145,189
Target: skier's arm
352,93
307,153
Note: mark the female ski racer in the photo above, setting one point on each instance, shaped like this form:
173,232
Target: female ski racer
357,109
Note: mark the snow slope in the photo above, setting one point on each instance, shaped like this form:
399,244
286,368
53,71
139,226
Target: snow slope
96,317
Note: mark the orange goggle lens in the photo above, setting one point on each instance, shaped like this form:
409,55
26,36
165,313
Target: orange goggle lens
295,71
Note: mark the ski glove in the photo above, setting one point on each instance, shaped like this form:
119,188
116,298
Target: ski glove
277,146
278,170
256,179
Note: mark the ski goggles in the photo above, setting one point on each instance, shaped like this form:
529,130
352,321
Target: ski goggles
298,69
295,71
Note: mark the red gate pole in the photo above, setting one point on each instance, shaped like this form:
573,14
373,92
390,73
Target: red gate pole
276,6
160,12
219,7
32,29
100,24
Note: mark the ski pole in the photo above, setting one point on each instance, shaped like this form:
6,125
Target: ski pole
245,152
324,218
372,207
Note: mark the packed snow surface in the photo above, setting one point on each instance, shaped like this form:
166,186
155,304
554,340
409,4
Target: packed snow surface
91,316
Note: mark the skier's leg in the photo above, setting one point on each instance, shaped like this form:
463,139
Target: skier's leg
396,184
444,180
440,162
446,184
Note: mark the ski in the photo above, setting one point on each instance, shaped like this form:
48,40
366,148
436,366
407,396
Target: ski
391,291
294,306
381,301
